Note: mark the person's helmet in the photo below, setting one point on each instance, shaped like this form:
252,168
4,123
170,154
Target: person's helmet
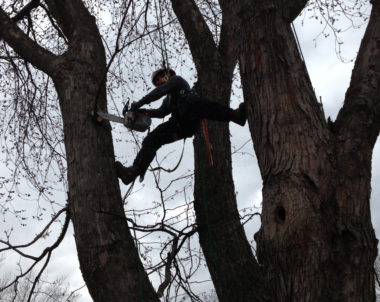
161,72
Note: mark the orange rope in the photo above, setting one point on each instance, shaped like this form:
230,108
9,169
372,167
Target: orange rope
207,141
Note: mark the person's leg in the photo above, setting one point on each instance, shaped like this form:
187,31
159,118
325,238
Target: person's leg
164,134
199,108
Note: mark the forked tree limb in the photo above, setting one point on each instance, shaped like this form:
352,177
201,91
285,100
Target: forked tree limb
25,11
361,111
198,34
28,49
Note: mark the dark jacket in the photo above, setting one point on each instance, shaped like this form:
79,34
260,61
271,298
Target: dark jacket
174,89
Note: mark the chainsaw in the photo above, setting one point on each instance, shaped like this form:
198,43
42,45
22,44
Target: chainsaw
133,120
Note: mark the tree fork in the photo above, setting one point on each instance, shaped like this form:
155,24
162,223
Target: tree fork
234,270
309,244
106,250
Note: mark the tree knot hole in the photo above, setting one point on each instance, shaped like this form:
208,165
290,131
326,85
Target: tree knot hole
280,214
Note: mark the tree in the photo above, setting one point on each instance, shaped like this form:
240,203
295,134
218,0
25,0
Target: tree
316,226
235,273
94,199
57,291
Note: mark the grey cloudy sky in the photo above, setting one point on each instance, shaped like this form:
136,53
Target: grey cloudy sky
330,78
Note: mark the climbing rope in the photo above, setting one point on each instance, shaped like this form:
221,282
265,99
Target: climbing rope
176,166
298,42
161,34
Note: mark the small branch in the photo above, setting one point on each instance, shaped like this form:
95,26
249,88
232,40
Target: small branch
171,255
376,277
176,166
28,49
53,23
47,251
25,12
39,236
197,32
73,292
39,276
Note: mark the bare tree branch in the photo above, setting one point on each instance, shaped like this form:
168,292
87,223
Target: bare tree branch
26,10
36,238
361,111
228,46
37,279
198,34
70,15
46,252
38,56
169,261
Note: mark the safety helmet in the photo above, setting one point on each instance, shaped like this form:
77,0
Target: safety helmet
161,72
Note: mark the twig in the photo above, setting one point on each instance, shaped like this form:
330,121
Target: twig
25,11
171,255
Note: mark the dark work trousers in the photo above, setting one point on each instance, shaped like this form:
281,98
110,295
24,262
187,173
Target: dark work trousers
185,122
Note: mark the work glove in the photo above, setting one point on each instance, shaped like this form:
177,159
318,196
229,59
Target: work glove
135,106
125,109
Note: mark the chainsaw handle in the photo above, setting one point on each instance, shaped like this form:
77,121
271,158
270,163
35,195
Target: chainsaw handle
126,108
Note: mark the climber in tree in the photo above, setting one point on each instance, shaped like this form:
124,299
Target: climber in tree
187,109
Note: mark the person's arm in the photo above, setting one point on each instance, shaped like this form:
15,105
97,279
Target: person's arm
160,112
175,83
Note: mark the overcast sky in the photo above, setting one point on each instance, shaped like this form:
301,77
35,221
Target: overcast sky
330,78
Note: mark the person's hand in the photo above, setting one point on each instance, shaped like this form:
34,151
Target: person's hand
125,109
135,106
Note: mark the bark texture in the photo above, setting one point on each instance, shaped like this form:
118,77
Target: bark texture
234,270
316,241
108,258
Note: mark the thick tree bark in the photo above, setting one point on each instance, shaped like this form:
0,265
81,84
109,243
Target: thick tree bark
356,130
316,241
233,268
108,258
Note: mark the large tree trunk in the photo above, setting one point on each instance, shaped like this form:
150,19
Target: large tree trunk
108,258
234,271
109,261
316,241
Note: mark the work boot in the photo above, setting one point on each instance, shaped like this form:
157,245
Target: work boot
239,115
127,175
